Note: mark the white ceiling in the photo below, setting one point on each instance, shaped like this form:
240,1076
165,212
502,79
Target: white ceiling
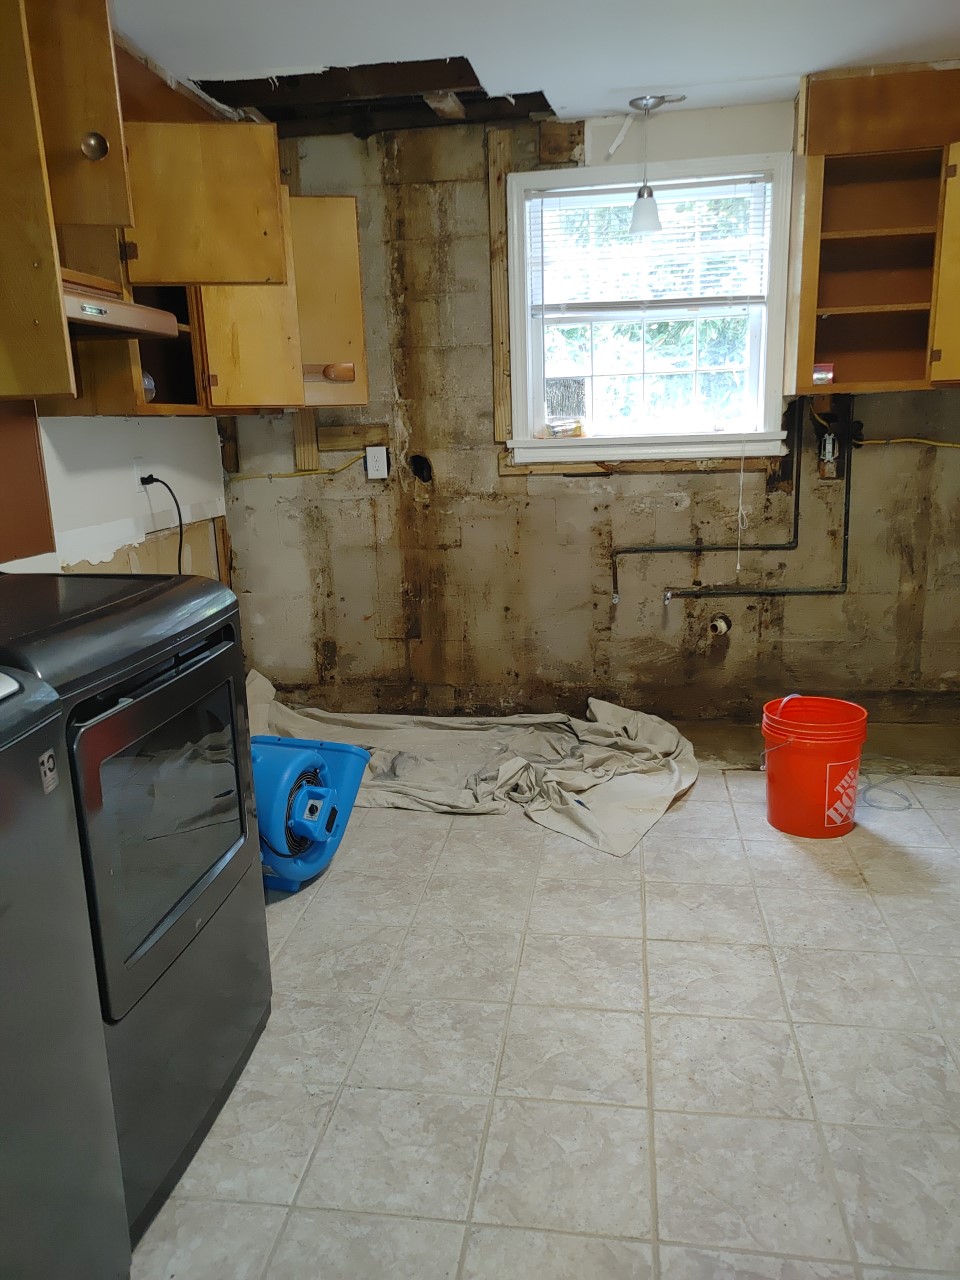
588,58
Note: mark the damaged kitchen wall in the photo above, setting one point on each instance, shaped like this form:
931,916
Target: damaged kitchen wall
471,591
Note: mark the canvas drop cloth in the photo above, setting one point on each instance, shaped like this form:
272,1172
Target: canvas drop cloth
604,780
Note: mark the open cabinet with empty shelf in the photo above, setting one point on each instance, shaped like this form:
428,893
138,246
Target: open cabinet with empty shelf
868,287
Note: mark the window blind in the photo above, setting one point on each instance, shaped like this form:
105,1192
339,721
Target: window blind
714,246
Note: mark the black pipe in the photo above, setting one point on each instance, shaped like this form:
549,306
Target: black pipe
698,548
705,593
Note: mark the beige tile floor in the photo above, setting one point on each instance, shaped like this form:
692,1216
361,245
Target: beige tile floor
496,1054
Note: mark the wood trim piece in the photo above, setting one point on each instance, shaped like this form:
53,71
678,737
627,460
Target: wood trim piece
306,454
644,466
499,156
101,314
337,439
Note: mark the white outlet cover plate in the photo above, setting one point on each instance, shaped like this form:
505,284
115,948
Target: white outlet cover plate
376,461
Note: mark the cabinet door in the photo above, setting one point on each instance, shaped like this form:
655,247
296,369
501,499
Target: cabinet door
945,353
26,528
71,45
251,340
326,256
206,204
34,348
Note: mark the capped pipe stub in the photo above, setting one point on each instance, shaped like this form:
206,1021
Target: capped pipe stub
720,624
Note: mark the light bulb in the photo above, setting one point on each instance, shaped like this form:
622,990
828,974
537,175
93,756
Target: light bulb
646,215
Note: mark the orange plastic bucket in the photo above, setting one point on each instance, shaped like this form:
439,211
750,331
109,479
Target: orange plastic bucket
812,762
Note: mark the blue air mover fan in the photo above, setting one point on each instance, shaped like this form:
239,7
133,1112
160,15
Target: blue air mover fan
305,793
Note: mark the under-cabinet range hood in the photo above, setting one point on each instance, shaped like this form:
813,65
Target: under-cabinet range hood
96,308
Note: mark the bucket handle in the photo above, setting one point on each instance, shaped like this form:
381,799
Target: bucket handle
768,751
788,743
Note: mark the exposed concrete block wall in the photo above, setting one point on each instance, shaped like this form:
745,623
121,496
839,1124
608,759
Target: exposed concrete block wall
476,592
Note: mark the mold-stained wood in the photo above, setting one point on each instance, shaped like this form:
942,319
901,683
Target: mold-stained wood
499,152
561,142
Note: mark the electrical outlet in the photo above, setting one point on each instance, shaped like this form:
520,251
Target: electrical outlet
140,469
377,462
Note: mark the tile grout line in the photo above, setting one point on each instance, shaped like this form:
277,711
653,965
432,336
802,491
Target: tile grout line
818,1127
338,1091
648,1050
488,1119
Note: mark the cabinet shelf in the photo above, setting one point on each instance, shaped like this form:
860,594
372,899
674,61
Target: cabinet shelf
879,233
874,309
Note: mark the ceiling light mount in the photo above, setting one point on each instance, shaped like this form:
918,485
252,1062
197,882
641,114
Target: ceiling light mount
648,102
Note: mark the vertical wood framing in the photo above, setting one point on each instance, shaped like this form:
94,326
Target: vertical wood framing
306,454
229,445
224,551
35,357
499,153
75,70
561,142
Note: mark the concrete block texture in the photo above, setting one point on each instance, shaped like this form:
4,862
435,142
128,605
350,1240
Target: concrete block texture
454,589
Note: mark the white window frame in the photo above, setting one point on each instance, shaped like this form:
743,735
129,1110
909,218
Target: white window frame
768,442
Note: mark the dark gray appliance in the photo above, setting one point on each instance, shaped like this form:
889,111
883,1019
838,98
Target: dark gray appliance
150,674
62,1213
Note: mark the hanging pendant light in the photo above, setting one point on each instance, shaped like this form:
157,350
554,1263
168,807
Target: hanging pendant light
646,215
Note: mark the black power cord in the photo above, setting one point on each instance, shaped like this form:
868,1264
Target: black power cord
152,479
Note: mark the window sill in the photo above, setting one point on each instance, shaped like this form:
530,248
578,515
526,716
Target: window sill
767,444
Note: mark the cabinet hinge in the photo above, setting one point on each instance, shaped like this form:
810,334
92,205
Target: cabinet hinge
129,251
951,170
935,355
209,379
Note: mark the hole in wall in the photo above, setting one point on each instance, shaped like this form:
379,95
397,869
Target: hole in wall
421,468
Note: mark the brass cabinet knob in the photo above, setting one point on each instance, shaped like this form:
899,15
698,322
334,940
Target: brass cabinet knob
94,145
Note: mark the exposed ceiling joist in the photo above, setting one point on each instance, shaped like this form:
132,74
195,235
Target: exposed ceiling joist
446,104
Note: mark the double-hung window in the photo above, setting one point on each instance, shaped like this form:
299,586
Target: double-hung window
666,345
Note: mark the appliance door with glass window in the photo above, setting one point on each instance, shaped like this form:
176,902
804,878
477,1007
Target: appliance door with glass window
161,800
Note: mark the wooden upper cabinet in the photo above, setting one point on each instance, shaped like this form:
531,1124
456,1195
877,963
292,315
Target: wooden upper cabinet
71,45
945,356
34,349
206,204
326,254
26,527
251,340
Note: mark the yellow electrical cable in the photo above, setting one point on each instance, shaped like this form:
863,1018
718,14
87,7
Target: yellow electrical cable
293,475
936,444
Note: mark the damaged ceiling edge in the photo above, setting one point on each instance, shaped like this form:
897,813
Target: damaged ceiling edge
375,98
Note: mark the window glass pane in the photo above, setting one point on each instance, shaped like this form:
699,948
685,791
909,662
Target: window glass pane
722,341
668,393
722,394
617,406
618,347
566,350
725,218
669,345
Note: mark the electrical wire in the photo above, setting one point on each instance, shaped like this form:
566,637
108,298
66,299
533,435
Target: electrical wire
936,444
293,475
151,479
